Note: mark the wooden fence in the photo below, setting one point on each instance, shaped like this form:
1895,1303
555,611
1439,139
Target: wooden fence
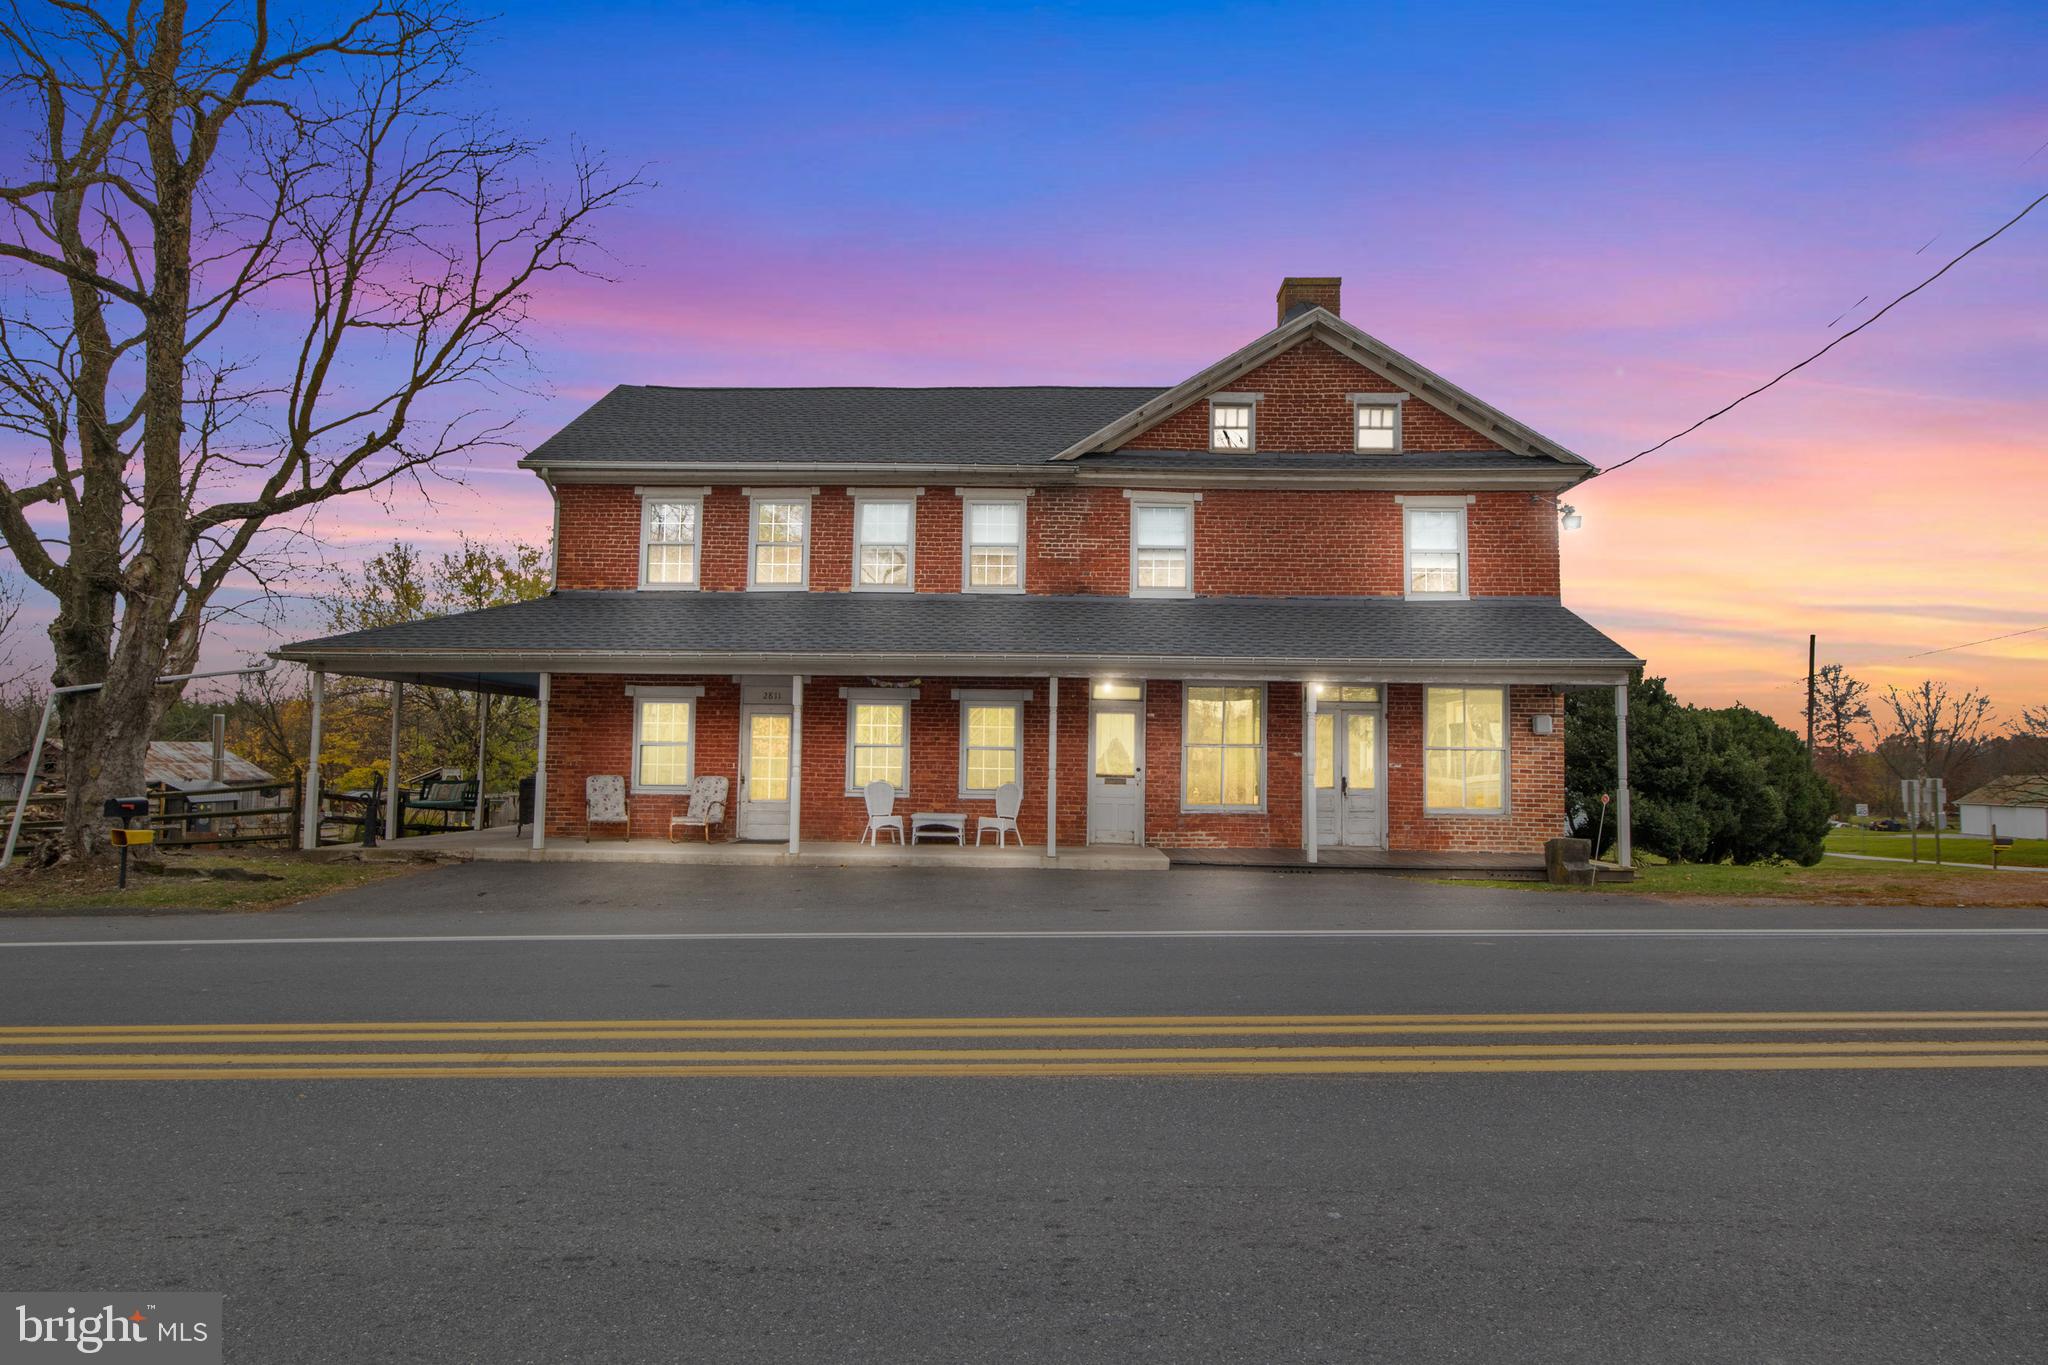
173,814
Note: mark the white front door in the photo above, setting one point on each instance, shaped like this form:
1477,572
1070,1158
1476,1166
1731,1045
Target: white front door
1348,763
764,772
1116,772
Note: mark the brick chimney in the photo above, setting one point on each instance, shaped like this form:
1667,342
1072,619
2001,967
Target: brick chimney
1309,291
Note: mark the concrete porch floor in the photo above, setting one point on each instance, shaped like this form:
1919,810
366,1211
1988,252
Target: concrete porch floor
503,845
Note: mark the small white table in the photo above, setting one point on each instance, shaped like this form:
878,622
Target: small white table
938,824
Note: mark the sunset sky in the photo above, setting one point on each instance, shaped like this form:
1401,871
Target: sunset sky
1607,226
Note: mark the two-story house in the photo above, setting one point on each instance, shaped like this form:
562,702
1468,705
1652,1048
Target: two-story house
1306,598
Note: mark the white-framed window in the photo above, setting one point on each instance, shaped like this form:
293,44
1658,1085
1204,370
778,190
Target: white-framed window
878,738
992,541
671,522
778,541
1433,547
664,737
1376,423
1162,545
1464,750
1232,418
1223,747
885,541
991,740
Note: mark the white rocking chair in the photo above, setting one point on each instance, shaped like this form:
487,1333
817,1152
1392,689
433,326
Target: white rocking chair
1009,800
881,799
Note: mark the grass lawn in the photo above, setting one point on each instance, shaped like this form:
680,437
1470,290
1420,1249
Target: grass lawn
1833,881
286,879
1954,847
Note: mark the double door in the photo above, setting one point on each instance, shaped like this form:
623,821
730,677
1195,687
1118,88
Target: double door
1349,758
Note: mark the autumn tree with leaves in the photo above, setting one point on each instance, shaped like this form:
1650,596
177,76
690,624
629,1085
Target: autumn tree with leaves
250,266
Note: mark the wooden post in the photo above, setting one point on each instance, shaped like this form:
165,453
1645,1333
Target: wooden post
540,769
1052,767
309,832
1624,850
796,759
391,782
1308,769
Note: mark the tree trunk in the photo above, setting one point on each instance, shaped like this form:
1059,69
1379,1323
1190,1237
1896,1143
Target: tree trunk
106,741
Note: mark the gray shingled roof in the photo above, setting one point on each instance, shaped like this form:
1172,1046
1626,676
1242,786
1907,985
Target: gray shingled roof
816,624
650,424
1321,462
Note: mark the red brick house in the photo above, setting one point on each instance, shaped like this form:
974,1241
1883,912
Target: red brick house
1306,598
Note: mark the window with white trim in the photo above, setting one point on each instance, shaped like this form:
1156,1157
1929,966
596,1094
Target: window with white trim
777,543
877,743
1464,750
883,537
991,745
1162,549
664,742
668,541
1223,747
994,544
1378,430
1230,426
1433,540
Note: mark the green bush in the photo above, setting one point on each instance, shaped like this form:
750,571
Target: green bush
1727,785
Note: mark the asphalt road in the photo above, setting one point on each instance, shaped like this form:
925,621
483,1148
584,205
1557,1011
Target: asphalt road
1762,1199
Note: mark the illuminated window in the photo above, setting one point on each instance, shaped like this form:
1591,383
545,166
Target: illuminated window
777,550
991,745
1223,748
1464,750
878,740
664,742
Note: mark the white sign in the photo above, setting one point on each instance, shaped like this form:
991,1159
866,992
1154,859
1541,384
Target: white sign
1862,810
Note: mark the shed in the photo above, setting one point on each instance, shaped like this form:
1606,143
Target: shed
2017,806
173,765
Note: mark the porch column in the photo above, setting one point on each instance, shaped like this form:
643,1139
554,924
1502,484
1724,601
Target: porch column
1308,769
391,776
483,719
796,761
540,769
1623,851
1052,768
309,833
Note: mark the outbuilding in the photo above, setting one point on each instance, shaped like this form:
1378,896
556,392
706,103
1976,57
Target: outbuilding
2015,806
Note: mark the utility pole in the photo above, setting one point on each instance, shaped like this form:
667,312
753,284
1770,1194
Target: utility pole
1812,644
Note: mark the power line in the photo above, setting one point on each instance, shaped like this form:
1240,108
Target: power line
1785,374
1945,649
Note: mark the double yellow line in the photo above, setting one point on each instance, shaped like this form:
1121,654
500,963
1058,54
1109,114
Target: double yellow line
1290,1045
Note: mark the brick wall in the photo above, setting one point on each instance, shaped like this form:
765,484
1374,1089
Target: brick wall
590,731
1305,410
1250,542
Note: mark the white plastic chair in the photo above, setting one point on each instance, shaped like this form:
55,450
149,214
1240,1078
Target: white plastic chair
604,803
881,799
1009,800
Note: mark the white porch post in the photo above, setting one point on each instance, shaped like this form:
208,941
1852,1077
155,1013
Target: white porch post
1623,850
483,719
1308,768
309,834
391,777
796,762
1052,768
540,769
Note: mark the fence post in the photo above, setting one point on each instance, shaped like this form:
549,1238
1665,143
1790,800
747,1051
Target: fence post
296,821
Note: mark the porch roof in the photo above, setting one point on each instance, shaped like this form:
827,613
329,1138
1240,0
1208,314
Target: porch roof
1387,639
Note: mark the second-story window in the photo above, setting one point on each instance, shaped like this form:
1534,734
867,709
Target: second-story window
1379,428
1230,425
1162,548
994,544
1433,536
883,543
778,551
668,540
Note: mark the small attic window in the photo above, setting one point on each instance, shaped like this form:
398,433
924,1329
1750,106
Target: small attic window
1376,423
1230,423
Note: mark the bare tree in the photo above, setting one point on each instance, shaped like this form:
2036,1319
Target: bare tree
1926,732
255,268
1841,711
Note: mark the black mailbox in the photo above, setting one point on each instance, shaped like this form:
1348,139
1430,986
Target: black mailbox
126,807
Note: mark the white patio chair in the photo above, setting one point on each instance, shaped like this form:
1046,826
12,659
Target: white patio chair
706,808
881,799
604,803
1009,800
